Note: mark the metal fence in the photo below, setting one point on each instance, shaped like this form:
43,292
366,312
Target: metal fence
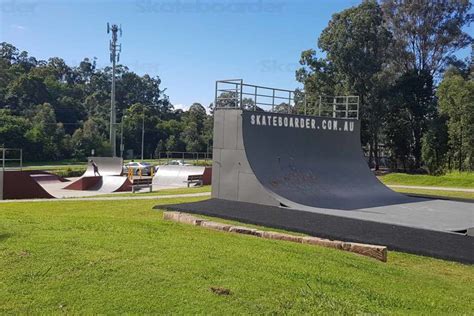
9,156
234,93
187,157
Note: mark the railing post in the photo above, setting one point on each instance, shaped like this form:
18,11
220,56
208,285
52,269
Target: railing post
215,97
255,103
305,103
241,94
347,106
289,102
273,101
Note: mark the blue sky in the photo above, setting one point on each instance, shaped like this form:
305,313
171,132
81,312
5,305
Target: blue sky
189,43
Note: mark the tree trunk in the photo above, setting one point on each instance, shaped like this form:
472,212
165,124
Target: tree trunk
376,151
371,154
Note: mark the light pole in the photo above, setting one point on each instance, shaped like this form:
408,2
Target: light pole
115,50
143,131
121,136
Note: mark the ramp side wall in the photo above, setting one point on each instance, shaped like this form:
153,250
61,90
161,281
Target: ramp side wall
232,177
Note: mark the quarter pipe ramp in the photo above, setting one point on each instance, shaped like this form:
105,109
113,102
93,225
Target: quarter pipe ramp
314,164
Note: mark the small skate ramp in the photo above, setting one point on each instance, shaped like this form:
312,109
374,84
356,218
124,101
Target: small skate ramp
108,166
110,171
44,176
105,184
176,176
21,185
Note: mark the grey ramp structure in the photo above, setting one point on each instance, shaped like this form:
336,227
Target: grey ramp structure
316,167
175,176
108,166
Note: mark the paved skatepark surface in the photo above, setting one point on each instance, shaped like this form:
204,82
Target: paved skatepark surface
425,242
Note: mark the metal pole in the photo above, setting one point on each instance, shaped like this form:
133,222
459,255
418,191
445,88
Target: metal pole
241,92
273,101
112,110
347,107
305,101
21,159
255,104
215,97
114,58
3,159
320,101
289,102
143,131
121,138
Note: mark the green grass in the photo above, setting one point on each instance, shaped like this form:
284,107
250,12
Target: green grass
177,191
121,257
435,193
452,180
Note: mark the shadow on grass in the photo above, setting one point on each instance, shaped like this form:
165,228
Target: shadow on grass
5,236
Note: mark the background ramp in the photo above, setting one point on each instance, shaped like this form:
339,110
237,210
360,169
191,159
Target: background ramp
108,166
20,185
176,176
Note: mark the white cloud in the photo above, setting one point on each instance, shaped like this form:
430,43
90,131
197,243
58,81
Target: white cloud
18,27
181,107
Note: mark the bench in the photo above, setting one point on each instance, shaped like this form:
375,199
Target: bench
195,179
142,183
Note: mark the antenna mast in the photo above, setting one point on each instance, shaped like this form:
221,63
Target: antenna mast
115,50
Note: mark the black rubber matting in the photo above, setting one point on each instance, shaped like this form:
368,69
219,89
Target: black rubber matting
443,245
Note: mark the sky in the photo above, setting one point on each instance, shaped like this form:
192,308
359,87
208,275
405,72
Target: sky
188,43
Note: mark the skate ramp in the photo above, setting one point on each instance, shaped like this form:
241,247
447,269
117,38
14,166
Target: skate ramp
110,170
105,184
108,166
176,176
44,176
313,161
21,185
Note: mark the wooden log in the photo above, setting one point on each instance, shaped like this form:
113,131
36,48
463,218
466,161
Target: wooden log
215,226
280,236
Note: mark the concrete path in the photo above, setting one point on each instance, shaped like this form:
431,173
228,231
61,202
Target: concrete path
432,188
117,198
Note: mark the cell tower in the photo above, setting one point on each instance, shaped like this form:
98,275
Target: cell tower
115,50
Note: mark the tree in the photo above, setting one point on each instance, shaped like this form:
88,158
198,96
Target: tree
456,101
46,135
435,146
355,42
13,130
427,33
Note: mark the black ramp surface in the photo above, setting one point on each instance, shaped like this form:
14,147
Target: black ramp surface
443,245
313,161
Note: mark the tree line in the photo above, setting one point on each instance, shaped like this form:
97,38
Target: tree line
417,99
55,111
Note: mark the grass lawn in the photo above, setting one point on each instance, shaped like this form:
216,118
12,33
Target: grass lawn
177,191
453,180
435,193
121,257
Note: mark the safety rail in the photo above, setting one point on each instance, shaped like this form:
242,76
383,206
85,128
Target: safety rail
234,93
4,156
